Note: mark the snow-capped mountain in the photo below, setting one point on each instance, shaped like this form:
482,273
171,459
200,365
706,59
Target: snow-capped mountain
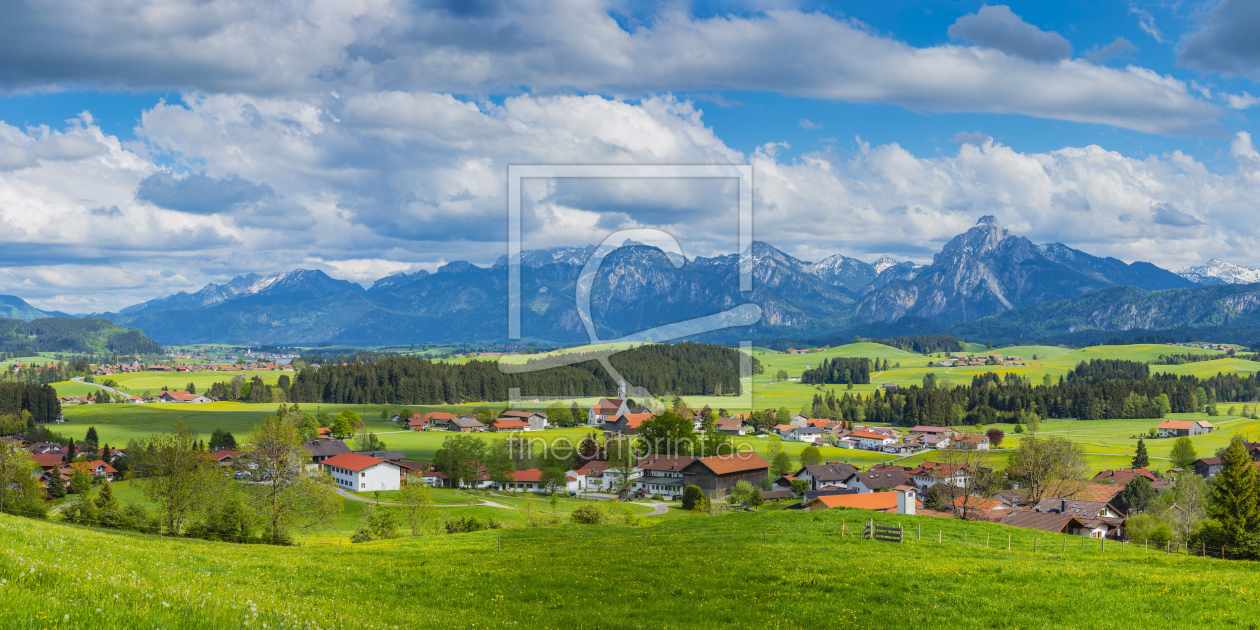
304,282
1217,271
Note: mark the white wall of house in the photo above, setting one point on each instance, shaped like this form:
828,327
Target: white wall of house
382,476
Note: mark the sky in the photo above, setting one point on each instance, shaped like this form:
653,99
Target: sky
153,146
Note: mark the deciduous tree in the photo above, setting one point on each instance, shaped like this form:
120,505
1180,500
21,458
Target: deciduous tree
1183,453
292,496
1047,467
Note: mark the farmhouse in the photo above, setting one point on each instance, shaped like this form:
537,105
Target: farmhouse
902,501
537,420
876,479
1053,522
1098,519
721,472
730,426
1178,428
360,473
181,397
971,442
505,425
661,474
532,481
1123,476
929,474
1207,466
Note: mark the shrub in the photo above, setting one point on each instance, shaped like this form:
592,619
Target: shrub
1144,527
755,499
692,495
590,514
657,497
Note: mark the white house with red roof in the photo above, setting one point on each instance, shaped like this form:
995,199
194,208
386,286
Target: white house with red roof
181,397
605,409
361,473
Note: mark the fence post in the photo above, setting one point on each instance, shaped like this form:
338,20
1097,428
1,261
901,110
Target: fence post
986,540
1008,542
1065,543
498,543
919,529
938,536
763,536
964,536
1104,543
339,546
645,540
1166,546
901,534
1204,550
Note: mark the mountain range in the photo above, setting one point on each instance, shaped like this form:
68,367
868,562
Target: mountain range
985,283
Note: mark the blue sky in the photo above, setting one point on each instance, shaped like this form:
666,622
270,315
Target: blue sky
225,137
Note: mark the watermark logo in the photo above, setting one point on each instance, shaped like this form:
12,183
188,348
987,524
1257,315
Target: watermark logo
745,314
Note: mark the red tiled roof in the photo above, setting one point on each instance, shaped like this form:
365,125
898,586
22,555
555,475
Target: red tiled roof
221,455
533,475
48,460
869,436
509,423
867,501
633,420
1182,424
353,461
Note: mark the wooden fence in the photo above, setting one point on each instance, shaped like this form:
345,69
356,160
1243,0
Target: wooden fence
881,532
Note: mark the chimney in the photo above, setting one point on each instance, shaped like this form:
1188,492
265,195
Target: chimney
1063,506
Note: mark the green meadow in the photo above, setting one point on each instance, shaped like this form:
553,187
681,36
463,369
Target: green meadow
796,570
137,383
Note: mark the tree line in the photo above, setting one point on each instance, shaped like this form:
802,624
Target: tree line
680,369
839,371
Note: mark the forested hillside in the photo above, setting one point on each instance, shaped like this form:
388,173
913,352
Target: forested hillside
683,369
80,336
40,400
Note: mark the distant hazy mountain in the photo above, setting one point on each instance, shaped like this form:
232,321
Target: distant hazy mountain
1113,309
987,270
1217,271
983,272
12,307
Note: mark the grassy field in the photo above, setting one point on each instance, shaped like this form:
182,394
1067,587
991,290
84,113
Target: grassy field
137,383
71,388
691,573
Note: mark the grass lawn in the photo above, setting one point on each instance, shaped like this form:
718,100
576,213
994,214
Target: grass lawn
137,383
71,388
690,573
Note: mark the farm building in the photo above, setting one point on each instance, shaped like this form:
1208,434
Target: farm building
361,473
722,472
1178,428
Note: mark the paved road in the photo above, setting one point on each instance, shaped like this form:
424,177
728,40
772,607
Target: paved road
79,379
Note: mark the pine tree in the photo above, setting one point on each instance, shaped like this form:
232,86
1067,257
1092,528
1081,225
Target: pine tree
56,487
1234,498
1140,458
91,437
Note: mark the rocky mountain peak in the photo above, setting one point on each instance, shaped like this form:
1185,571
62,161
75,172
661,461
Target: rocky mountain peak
1217,271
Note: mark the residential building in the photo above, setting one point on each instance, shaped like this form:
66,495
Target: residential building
970,442
181,397
902,500
870,441
1055,523
730,426
1123,476
323,449
661,474
1098,519
1178,428
873,480
929,474
361,473
626,423
508,425
829,474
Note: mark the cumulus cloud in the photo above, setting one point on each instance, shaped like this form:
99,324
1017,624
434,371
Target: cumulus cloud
1241,101
1166,214
809,124
310,47
999,28
1225,40
198,194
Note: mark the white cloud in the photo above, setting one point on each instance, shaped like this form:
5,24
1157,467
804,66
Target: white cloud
806,123
1241,101
1146,22
329,47
998,27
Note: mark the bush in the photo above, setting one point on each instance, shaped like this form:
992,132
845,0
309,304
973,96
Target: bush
657,497
466,524
692,495
590,514
1144,527
755,499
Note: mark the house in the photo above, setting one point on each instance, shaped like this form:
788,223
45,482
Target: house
994,509
49,461
884,478
1178,428
96,468
505,425
730,426
605,409
1207,466
532,481
922,430
1098,519
661,474
970,442
721,472
903,500
870,441
1123,476
810,495
805,434
831,473
935,441
225,457
465,424
591,475
181,397
626,423
323,449
1055,523
434,478
361,473
418,423
929,474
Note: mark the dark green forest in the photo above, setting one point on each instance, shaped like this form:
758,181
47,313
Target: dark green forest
839,371
664,369
81,336
40,400
1102,388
